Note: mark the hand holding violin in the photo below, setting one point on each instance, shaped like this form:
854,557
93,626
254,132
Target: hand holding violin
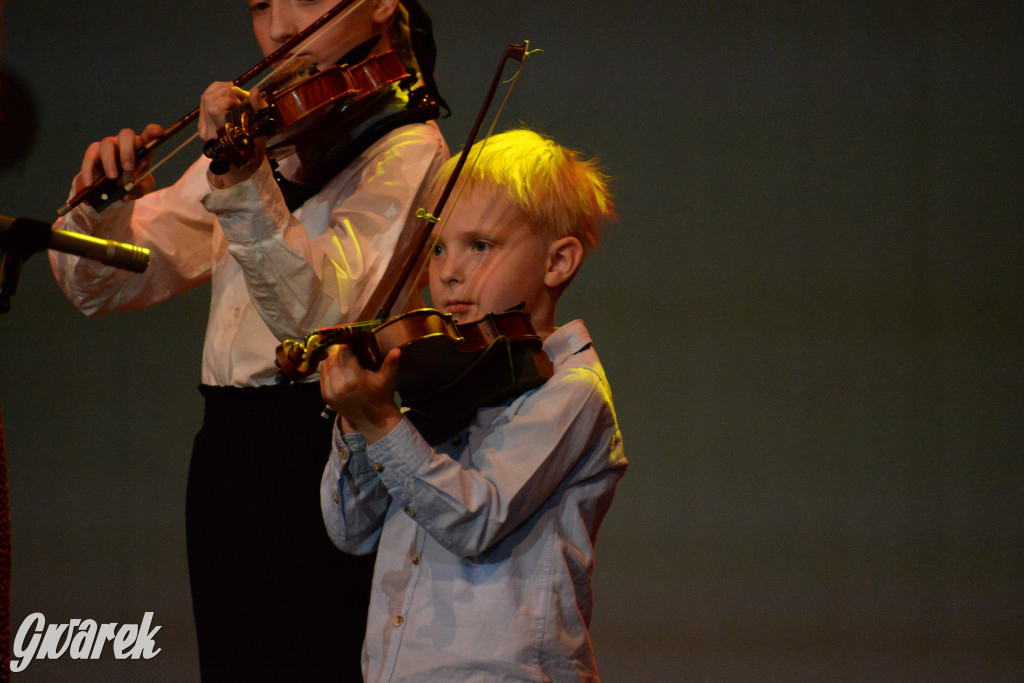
363,398
219,99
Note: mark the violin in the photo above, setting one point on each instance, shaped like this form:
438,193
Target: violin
297,107
104,191
447,370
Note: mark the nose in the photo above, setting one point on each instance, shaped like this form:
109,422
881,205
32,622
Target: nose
448,268
282,22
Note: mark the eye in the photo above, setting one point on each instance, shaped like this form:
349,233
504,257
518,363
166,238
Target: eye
257,7
480,246
438,250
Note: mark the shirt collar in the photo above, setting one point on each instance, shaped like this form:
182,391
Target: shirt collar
567,340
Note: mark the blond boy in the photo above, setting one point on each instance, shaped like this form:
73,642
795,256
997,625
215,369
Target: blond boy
486,541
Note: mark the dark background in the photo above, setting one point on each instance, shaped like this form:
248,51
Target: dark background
810,313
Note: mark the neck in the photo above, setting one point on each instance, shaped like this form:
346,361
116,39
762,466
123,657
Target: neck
374,45
543,324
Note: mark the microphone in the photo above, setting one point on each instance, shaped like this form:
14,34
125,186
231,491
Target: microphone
27,236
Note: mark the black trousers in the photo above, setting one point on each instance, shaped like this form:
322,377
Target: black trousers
273,598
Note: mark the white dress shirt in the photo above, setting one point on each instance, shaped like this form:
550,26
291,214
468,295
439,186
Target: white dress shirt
275,275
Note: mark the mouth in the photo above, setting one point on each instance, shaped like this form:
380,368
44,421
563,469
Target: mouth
293,65
457,307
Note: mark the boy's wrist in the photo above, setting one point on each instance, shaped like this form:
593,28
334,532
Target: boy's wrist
375,425
234,176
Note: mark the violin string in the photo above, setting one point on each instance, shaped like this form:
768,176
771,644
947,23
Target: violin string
152,169
467,171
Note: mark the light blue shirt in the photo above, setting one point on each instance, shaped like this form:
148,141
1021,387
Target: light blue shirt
486,542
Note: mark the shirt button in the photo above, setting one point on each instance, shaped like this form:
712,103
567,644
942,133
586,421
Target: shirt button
397,621
409,511
377,466
416,558
334,495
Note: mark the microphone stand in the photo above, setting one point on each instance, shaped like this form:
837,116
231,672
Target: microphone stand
19,239
10,272
11,261
16,246
5,564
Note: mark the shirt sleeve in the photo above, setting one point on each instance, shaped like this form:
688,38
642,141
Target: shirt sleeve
546,441
317,268
351,500
170,222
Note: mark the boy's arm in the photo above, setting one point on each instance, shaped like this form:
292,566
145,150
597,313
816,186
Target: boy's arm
561,435
352,502
519,457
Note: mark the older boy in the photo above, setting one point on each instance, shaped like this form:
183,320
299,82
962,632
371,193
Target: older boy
486,541
282,258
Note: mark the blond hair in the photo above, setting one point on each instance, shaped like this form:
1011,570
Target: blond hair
559,194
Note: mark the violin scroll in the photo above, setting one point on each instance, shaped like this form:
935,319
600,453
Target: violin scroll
298,359
235,143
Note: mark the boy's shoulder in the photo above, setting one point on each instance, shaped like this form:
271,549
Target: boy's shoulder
571,347
579,378
567,341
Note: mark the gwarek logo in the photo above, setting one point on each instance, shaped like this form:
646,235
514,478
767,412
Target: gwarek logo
81,639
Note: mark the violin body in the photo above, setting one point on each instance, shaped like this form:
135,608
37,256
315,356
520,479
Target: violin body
446,371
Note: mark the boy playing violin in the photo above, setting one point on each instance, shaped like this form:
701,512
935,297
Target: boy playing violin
284,254
485,542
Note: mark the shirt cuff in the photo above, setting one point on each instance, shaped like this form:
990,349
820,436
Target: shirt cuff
249,212
115,223
399,455
350,449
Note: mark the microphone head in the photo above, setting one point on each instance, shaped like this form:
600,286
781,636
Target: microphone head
130,257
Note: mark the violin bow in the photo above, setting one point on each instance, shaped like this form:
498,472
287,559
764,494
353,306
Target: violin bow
107,191
421,236
299,357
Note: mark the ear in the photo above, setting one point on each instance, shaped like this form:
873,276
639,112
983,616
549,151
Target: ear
564,258
383,10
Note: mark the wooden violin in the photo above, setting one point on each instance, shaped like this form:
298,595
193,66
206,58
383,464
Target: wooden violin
104,191
294,109
446,371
